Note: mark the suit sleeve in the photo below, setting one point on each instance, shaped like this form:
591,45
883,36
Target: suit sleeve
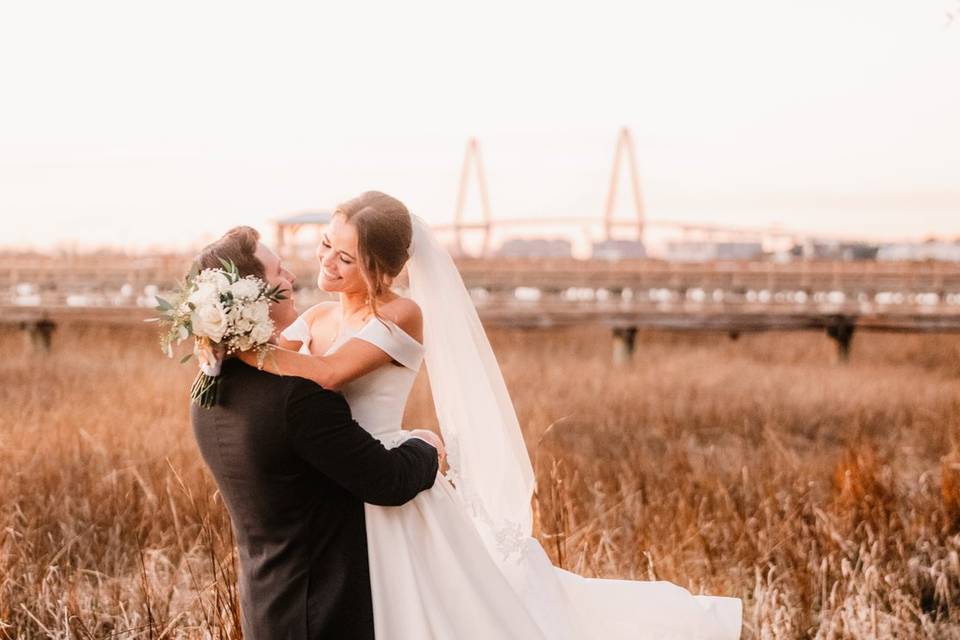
323,433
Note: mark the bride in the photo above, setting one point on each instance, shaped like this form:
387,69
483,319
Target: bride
458,561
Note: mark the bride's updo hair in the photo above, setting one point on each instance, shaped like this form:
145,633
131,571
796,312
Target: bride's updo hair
384,232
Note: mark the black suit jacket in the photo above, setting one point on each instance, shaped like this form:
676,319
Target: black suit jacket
294,470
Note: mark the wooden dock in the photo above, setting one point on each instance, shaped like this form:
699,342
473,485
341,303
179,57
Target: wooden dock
85,274
731,297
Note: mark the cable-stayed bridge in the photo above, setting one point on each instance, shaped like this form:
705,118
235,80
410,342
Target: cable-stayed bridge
605,225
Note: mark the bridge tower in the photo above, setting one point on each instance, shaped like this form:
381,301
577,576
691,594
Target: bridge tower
624,148
472,157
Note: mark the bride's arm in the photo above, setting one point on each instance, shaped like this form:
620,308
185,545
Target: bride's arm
352,360
279,359
290,345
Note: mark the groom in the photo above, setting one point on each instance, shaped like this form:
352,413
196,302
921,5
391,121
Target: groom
294,470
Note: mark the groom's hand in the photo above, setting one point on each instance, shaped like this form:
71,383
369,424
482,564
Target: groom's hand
432,439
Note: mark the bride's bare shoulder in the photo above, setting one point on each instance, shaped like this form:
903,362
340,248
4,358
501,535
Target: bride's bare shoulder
319,311
406,314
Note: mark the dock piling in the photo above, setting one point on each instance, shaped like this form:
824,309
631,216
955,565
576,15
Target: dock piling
841,329
624,342
39,333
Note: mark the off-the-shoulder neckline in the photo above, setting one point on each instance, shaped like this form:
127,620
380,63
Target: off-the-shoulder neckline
392,324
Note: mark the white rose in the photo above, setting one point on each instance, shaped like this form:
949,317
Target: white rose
205,293
214,277
222,281
262,332
244,343
243,325
206,277
257,312
233,315
245,288
209,320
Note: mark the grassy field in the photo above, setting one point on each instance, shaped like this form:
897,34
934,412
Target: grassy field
826,496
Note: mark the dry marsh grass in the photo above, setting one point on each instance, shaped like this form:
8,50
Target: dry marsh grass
827,497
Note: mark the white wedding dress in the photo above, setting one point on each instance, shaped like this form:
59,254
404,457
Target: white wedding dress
434,574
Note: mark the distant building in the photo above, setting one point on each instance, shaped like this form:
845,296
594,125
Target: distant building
945,251
535,248
835,250
619,250
703,251
287,229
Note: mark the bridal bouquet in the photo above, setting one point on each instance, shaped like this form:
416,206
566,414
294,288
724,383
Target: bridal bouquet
224,313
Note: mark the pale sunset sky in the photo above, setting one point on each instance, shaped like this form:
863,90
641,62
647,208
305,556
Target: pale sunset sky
147,125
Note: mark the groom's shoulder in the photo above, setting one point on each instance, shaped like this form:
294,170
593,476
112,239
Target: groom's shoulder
300,390
246,374
242,383
247,388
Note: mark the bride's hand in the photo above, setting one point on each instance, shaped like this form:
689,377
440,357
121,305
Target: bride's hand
433,439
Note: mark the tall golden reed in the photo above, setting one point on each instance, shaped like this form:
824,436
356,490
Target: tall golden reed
826,496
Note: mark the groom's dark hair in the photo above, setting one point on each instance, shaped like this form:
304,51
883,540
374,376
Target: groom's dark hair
238,245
